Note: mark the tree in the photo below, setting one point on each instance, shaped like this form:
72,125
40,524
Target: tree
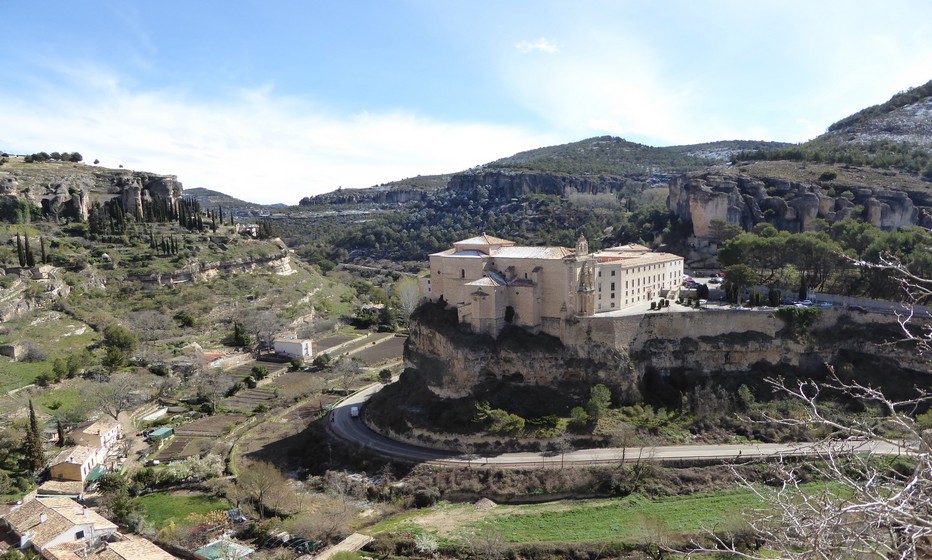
738,277
600,398
20,252
33,455
346,370
122,392
30,258
408,294
113,359
117,336
385,375
45,258
872,506
264,484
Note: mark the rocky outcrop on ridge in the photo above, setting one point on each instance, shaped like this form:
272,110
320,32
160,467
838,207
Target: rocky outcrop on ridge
745,200
67,190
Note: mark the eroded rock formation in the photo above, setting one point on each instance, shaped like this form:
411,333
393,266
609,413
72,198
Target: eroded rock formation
744,201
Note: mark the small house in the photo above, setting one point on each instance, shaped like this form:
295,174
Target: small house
101,433
46,523
295,347
75,463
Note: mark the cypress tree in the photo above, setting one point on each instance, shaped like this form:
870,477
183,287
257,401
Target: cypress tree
221,214
19,251
45,258
30,258
32,445
61,434
213,225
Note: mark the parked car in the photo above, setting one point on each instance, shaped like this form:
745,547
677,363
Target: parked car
354,412
715,280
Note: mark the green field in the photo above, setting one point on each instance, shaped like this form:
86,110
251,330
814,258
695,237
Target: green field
630,520
161,508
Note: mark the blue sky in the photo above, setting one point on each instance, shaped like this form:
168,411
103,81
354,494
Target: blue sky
271,101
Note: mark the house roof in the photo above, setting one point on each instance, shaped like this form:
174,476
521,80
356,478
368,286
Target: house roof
74,455
61,487
66,551
533,253
628,261
96,427
28,518
136,548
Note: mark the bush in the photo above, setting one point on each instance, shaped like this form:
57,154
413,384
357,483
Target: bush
828,176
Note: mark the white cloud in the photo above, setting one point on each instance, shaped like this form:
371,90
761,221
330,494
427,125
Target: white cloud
540,45
256,145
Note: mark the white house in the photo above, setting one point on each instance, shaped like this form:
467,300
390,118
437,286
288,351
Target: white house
295,347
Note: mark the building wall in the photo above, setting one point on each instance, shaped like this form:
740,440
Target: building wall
294,348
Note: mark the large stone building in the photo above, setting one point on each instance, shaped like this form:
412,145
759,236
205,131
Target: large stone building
492,282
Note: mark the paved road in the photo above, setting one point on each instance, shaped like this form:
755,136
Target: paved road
350,429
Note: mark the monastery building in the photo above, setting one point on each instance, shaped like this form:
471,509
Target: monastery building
492,282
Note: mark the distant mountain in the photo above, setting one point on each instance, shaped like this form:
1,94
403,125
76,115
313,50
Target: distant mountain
906,117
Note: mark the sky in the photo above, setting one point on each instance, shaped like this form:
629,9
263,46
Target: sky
271,101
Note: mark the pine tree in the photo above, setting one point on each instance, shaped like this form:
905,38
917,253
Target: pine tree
32,445
19,251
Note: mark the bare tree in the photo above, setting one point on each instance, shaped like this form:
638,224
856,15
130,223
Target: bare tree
346,371
122,392
875,505
263,483
408,294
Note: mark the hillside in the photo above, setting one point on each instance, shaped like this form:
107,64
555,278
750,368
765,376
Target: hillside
215,199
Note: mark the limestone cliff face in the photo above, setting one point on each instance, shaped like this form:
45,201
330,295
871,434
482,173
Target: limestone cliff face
744,201
622,351
67,190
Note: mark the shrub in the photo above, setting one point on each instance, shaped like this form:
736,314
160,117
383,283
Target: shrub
828,176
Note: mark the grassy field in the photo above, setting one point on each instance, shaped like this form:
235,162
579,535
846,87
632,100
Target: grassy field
162,508
630,520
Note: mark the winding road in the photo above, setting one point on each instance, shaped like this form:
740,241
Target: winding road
354,430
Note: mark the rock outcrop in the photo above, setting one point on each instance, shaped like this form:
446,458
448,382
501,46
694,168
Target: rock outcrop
745,201
65,190
633,354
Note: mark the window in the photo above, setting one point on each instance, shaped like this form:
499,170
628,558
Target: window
463,273
613,273
613,286
78,535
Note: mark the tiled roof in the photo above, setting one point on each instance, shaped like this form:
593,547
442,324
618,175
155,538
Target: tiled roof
533,253
70,487
637,260
484,240
78,514
484,281
66,551
28,519
136,548
75,455
100,426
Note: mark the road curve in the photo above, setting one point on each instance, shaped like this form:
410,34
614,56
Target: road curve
353,430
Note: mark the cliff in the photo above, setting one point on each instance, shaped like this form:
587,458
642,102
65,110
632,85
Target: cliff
66,190
654,356
745,196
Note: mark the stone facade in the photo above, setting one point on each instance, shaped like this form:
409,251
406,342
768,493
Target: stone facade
493,283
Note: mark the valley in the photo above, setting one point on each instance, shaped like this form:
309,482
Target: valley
288,377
